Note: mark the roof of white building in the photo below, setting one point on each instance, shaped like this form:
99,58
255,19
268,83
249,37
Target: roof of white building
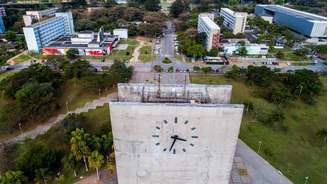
242,14
209,23
297,13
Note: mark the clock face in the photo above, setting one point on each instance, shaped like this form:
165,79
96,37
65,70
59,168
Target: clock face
175,135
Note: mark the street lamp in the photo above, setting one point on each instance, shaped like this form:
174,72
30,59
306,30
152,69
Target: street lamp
259,148
20,127
306,179
67,107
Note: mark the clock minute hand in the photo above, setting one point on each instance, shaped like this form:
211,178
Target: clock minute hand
180,139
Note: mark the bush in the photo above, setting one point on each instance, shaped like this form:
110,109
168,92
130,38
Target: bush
158,68
166,61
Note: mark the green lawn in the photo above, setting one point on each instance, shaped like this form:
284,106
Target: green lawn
124,55
296,153
146,54
22,58
6,74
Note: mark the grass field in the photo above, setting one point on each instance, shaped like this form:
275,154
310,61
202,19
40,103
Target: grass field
124,55
146,54
22,58
298,152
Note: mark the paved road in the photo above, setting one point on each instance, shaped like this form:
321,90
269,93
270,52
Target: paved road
259,170
43,128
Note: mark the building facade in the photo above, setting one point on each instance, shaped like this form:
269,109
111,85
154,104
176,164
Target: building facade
2,24
311,26
121,33
174,134
40,34
236,21
206,25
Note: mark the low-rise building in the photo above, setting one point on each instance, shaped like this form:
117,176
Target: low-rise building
236,21
87,43
206,25
311,26
252,49
121,33
40,34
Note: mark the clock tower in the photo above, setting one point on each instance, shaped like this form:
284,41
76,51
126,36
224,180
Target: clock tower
174,134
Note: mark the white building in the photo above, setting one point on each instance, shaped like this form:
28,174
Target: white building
252,49
38,15
40,34
121,33
212,30
236,21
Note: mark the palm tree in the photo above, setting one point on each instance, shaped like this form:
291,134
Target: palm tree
96,160
79,146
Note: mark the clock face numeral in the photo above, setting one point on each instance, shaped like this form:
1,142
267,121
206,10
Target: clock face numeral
175,142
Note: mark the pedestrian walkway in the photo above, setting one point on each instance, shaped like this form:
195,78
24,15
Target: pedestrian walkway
43,128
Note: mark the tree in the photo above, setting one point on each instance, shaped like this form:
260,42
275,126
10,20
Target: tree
158,68
214,52
301,52
280,55
196,50
206,69
219,20
322,134
152,5
261,76
170,69
72,53
13,177
304,83
178,7
78,69
96,160
70,162
10,36
242,51
42,175
79,146
38,156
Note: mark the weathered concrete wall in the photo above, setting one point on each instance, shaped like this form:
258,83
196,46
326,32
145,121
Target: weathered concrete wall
139,160
140,92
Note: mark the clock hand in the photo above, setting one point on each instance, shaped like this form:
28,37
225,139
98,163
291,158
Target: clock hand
172,143
180,139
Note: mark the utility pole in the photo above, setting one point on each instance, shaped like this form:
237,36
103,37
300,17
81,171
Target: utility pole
259,148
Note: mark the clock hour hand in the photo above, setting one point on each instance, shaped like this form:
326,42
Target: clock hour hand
172,143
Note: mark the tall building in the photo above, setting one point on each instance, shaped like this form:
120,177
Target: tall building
40,34
236,21
174,134
38,15
2,24
212,30
309,25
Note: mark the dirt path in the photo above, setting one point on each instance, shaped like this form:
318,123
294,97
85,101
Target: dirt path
136,53
41,129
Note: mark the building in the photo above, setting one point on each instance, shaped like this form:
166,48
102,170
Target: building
2,24
31,16
121,33
87,43
40,34
252,49
236,21
174,133
212,30
311,26
121,1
